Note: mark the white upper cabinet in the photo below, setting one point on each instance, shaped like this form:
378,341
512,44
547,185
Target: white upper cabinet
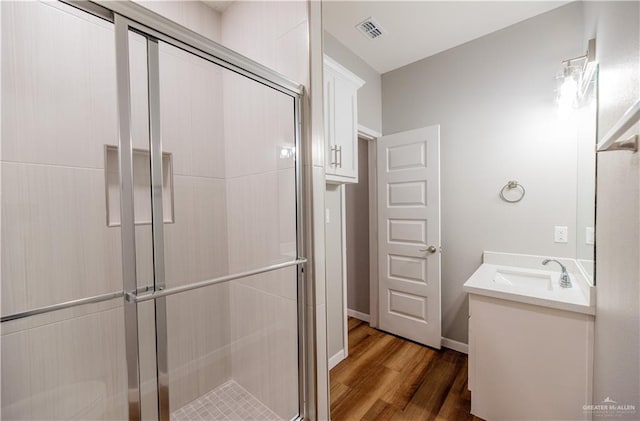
341,122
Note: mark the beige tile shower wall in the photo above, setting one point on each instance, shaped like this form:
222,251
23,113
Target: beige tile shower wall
199,343
264,333
198,327
58,69
52,151
196,245
191,113
72,369
191,106
194,15
272,33
260,199
57,74
260,233
260,183
260,190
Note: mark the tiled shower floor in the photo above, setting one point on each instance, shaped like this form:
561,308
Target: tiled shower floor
228,402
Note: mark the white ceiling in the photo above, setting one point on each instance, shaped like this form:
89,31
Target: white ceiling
414,30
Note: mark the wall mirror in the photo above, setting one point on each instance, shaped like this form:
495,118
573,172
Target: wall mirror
585,118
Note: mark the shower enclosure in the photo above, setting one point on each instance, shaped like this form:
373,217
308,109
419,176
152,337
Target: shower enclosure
151,222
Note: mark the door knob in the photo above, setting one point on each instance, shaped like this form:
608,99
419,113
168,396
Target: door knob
430,249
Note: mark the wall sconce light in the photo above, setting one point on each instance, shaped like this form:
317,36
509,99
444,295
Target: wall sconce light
574,80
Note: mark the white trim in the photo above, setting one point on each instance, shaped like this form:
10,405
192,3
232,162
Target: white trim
339,68
373,234
343,229
455,345
358,315
339,179
333,361
367,133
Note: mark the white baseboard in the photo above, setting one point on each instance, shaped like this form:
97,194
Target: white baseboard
455,345
358,315
333,361
446,342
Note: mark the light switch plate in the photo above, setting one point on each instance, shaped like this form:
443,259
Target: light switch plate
590,236
561,234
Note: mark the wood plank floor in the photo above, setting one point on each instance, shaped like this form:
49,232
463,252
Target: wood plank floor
389,378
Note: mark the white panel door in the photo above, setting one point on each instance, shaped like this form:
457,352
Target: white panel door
409,235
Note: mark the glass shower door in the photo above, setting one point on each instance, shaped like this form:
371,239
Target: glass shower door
62,344
232,347
226,295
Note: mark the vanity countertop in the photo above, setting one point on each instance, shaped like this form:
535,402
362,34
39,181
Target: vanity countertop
518,279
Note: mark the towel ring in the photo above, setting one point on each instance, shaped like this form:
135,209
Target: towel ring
510,186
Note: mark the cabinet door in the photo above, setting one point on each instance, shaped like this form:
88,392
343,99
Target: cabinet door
345,128
329,122
471,373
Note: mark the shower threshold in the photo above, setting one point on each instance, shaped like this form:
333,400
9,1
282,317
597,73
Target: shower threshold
227,402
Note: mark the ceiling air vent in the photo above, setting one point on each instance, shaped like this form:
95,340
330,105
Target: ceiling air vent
370,28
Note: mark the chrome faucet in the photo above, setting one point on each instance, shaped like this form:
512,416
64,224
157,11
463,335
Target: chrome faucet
565,281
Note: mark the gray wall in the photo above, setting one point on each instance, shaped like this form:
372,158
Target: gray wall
494,99
369,96
357,224
617,330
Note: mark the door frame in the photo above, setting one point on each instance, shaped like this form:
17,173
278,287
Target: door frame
372,136
335,359
343,240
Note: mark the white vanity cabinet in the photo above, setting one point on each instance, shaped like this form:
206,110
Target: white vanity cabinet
528,361
341,122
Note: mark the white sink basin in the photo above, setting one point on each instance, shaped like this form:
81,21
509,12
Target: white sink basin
530,285
524,279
